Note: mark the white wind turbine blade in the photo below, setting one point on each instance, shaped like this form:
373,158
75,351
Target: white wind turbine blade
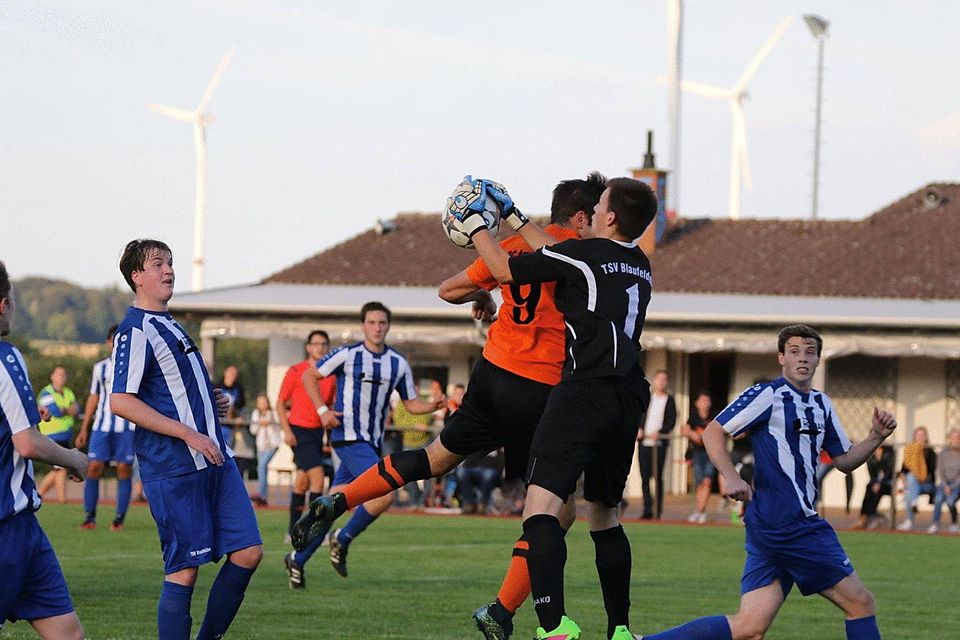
706,90
760,56
172,112
214,81
740,138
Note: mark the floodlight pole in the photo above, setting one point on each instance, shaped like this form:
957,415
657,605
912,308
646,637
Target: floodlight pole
818,27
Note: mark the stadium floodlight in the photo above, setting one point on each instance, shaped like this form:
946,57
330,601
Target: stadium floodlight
200,119
818,27
674,80
739,158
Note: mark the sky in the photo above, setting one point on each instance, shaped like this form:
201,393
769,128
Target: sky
332,115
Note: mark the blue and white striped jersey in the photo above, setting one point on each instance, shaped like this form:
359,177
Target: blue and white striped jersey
18,412
155,360
101,383
364,382
788,429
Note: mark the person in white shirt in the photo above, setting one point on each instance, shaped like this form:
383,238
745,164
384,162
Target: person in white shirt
658,422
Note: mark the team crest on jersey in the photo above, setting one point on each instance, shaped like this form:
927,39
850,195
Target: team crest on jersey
811,428
370,378
187,345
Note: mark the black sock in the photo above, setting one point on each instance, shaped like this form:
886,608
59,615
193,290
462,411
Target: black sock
613,566
411,465
297,500
546,559
500,613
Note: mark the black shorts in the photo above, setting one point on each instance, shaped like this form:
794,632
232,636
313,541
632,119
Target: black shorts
308,454
500,409
589,426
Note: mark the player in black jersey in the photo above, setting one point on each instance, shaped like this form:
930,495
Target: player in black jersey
590,421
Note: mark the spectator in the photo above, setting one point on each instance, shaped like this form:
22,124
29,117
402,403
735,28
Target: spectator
918,471
455,399
948,490
232,388
477,476
880,468
416,435
243,445
265,426
445,485
659,421
703,469
57,401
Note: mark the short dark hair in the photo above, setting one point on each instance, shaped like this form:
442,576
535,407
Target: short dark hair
634,203
317,332
571,196
798,331
374,306
111,332
4,281
135,254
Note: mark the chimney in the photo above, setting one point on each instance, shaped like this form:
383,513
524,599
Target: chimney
657,179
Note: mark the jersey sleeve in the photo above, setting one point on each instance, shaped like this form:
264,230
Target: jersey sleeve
835,440
16,395
547,264
405,382
131,353
752,407
333,362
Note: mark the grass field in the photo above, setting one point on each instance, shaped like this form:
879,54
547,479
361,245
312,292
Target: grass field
420,577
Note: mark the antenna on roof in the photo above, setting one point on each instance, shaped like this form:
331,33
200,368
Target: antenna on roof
383,227
649,162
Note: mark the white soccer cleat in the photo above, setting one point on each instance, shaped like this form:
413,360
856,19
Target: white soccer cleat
934,528
906,525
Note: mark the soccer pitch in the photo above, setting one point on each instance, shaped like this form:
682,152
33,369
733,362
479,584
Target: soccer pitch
421,577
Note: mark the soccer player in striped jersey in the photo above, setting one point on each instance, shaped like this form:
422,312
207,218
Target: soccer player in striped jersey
33,585
196,496
508,388
111,440
789,423
589,424
366,372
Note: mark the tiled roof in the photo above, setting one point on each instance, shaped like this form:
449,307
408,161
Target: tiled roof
909,249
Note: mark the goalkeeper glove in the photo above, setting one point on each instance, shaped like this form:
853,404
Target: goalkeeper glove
508,210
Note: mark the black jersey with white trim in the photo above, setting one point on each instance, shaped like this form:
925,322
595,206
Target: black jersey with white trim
603,289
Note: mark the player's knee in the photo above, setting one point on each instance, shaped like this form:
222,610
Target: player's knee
95,471
862,605
124,471
744,627
248,558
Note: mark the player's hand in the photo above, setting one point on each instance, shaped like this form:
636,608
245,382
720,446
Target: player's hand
330,418
508,210
81,439
77,471
205,445
45,414
289,438
736,489
883,423
485,310
222,401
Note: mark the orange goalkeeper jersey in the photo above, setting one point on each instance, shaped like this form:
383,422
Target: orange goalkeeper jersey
528,336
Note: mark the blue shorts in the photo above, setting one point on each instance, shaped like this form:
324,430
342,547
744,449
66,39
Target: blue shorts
702,467
807,553
110,446
202,516
355,458
33,585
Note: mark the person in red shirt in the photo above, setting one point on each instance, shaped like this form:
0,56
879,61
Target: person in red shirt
505,396
301,425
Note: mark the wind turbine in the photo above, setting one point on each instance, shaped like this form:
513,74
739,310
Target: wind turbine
739,157
199,118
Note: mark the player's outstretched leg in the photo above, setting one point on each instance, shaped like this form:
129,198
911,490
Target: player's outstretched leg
316,521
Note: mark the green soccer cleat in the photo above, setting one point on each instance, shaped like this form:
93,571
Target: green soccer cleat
622,633
321,514
488,625
566,630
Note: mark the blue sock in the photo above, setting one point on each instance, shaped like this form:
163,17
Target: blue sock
360,520
712,628
173,612
301,557
226,595
91,493
124,489
863,629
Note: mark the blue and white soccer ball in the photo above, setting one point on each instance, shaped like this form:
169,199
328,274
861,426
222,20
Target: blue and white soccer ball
454,230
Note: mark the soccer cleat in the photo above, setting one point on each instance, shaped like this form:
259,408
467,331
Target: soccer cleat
338,554
488,625
954,529
116,525
321,514
934,528
566,630
906,525
622,633
89,524
298,580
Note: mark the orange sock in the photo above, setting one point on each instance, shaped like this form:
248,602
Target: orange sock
516,584
377,481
